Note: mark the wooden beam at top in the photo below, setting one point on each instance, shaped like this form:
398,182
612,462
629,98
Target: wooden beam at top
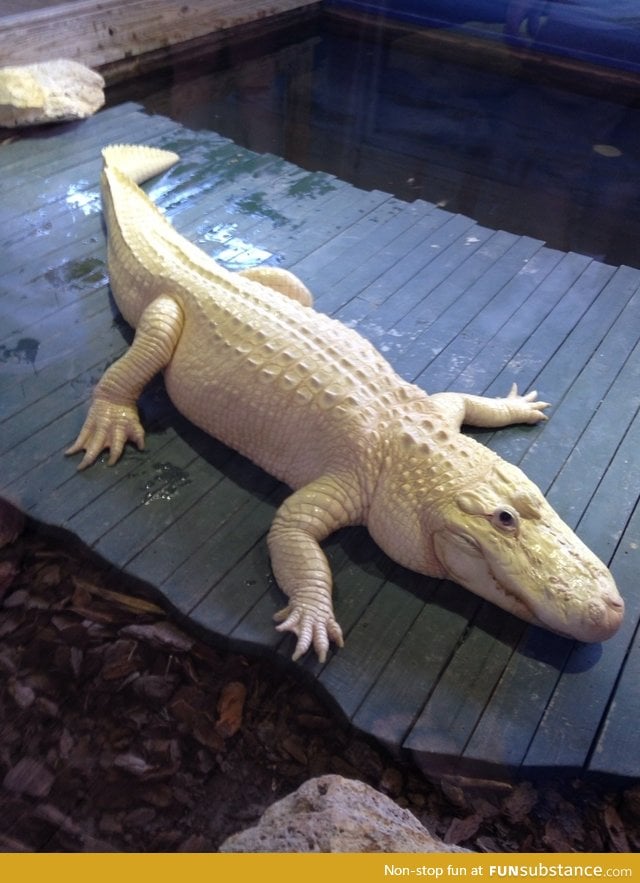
103,32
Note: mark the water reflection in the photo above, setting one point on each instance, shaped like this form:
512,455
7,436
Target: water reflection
386,113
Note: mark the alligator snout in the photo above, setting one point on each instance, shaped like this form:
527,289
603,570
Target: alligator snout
594,614
603,615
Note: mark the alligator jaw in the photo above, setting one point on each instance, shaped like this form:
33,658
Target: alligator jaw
587,608
462,560
600,617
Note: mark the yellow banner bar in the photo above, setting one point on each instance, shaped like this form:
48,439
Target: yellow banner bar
309,867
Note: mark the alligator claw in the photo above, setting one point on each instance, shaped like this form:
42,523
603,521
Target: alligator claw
531,410
311,627
107,426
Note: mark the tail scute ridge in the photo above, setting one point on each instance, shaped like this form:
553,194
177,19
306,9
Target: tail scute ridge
138,161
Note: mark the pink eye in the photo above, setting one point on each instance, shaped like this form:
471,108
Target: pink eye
506,519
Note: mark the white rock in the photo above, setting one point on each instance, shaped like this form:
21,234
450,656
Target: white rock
333,814
48,92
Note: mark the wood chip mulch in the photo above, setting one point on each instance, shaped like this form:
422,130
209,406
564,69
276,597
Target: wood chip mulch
119,731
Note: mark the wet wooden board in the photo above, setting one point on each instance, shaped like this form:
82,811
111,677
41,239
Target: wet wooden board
428,668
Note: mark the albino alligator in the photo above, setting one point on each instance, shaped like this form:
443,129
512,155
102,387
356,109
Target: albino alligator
247,358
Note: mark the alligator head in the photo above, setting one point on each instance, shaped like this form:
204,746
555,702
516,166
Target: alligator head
469,516
503,540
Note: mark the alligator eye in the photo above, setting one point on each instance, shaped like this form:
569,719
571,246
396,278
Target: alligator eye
506,519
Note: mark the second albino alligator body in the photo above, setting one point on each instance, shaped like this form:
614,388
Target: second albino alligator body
247,359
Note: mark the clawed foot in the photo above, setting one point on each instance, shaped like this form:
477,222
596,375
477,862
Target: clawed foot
311,626
107,426
529,410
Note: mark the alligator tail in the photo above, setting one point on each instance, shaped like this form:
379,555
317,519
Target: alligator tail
138,162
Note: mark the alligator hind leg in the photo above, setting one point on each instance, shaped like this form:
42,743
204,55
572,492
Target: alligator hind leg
491,412
113,416
284,281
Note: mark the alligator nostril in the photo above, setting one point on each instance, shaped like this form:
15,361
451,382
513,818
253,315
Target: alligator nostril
615,603
603,617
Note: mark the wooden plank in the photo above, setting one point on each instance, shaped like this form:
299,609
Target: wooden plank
410,675
276,210
54,493
78,373
437,287
351,673
245,590
615,496
473,327
97,34
510,709
380,317
443,729
541,360
49,158
216,479
556,304
563,741
488,270
577,330
578,702
332,261
55,142
36,449
62,198
391,276
245,184
363,274
23,386
54,346
541,658
207,586
617,749
50,405
599,409
504,731
427,664
535,330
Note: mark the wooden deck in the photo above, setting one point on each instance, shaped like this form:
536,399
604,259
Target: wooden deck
427,667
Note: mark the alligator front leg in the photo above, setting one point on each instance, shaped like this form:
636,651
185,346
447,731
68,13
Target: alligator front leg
113,416
491,412
300,566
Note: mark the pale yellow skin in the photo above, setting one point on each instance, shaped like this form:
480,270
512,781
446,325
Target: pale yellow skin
247,358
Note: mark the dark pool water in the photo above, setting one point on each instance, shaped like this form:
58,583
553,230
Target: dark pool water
532,159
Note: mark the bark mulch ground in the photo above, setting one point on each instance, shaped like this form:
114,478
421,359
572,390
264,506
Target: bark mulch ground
119,731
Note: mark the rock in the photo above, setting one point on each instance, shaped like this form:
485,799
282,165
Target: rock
333,814
47,92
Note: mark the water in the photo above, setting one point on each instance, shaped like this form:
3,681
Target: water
384,114
165,483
